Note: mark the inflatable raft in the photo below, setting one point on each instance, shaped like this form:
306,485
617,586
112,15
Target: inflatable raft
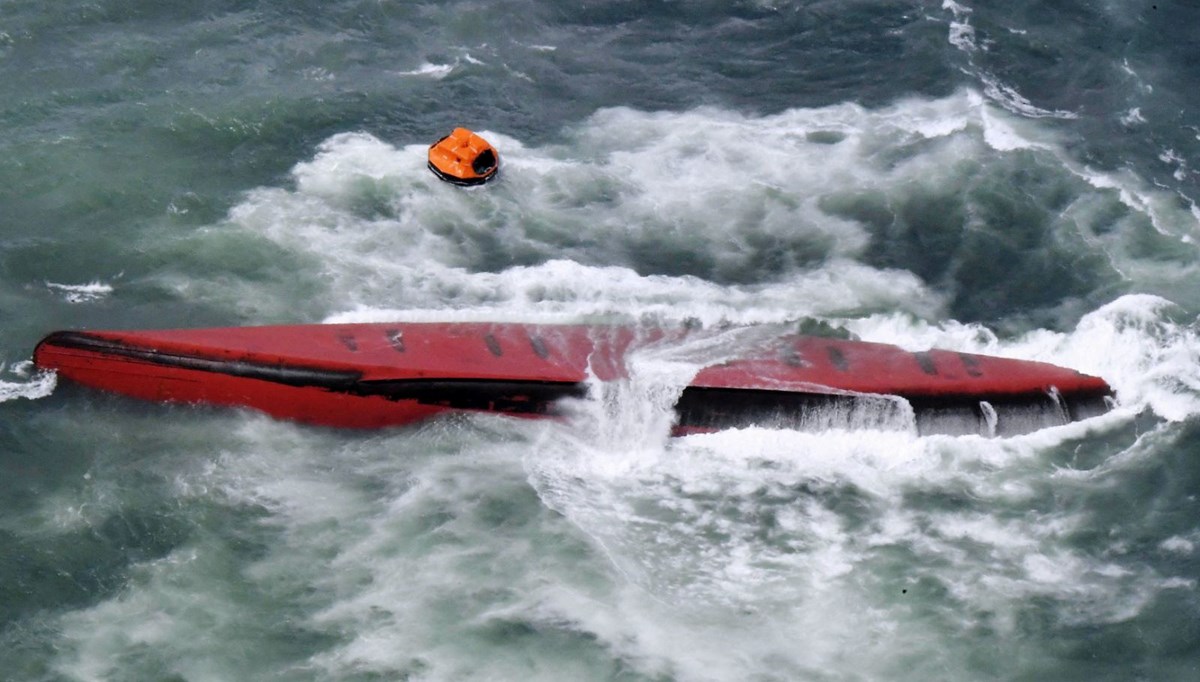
379,375
463,158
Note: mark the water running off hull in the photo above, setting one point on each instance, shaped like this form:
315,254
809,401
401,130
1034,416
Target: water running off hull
380,375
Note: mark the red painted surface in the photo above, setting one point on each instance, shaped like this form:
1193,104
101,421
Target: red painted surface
162,365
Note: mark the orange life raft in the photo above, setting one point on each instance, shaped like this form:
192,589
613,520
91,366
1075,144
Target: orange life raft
463,158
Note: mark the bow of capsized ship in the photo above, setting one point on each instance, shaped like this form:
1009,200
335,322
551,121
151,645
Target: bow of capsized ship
363,376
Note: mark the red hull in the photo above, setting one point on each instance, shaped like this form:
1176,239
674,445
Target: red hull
377,375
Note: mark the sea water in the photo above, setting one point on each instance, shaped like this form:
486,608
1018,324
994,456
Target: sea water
1017,179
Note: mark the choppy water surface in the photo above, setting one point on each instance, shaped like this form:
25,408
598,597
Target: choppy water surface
1013,179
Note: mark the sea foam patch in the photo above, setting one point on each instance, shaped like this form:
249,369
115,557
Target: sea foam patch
962,35
81,293
29,383
759,521
716,214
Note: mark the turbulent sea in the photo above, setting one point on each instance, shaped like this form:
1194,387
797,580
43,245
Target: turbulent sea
1014,178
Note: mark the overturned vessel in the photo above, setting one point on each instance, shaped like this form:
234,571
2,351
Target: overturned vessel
378,375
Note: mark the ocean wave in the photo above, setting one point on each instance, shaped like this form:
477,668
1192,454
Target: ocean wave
31,384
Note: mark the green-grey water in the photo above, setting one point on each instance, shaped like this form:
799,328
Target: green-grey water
1013,179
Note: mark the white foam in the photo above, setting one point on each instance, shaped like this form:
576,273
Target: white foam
161,616
755,521
962,35
1171,157
1133,117
32,385
393,238
1007,96
565,291
1178,545
1003,136
429,70
82,293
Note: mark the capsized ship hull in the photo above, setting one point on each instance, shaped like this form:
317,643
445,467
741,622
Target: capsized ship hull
380,375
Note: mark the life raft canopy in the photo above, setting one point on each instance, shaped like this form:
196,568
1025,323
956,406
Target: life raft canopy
463,158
